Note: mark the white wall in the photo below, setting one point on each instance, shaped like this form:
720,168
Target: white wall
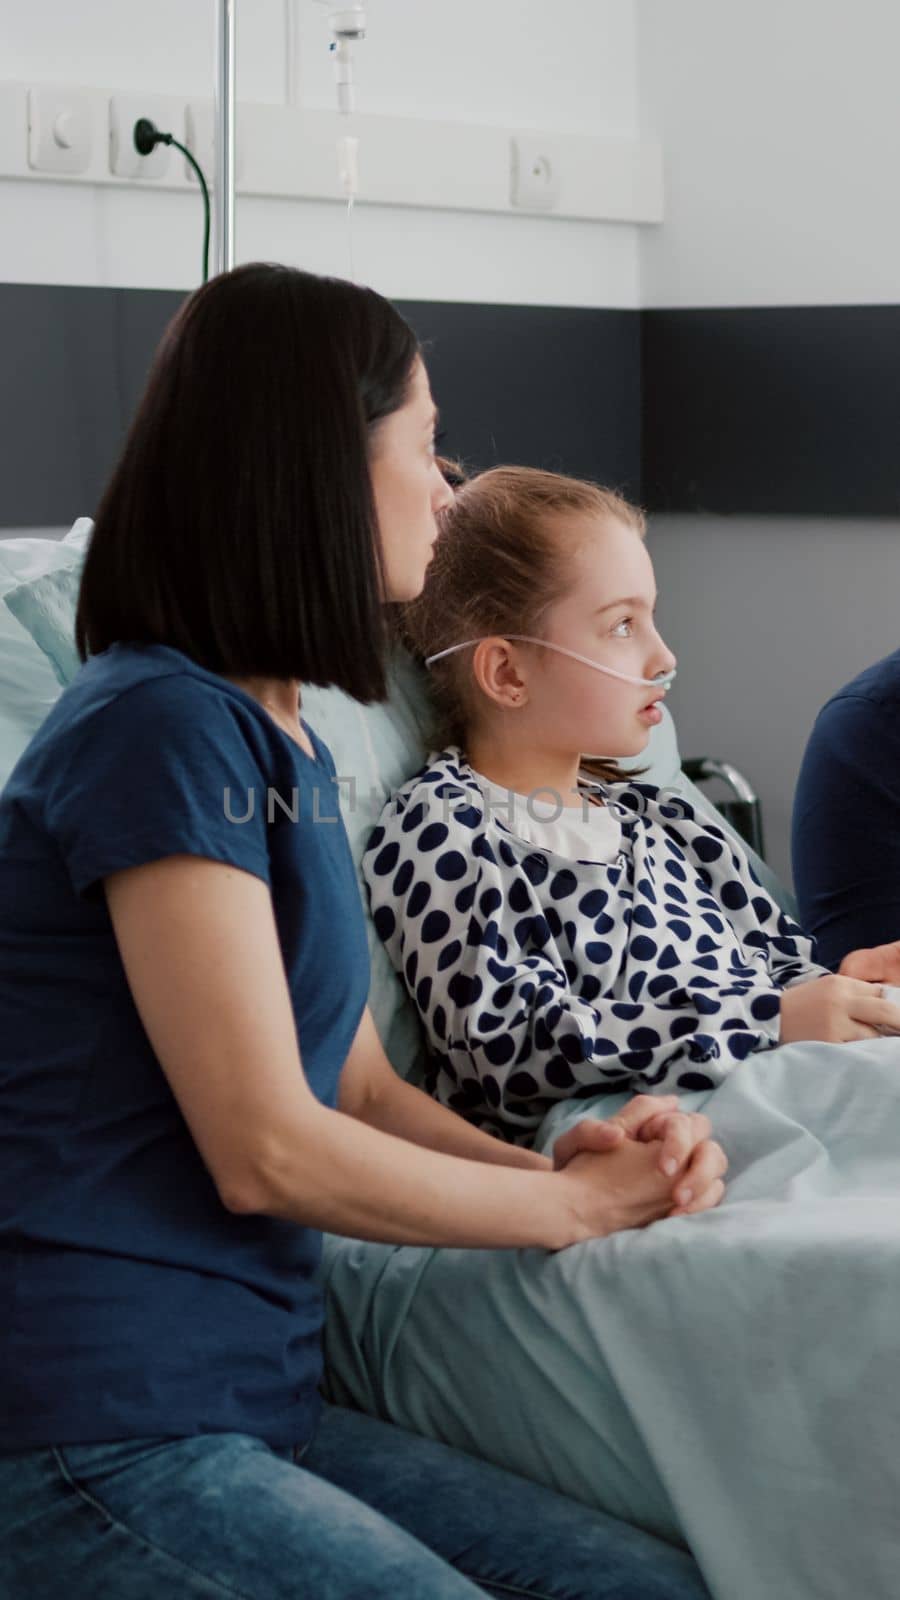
512,62
769,617
781,137
781,141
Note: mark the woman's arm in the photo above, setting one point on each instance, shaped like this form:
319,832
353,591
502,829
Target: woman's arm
373,1092
200,949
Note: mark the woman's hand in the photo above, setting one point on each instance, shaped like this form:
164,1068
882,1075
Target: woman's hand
880,964
624,1188
685,1148
836,1009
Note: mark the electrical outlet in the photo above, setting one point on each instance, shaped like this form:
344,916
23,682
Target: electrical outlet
60,130
124,111
535,175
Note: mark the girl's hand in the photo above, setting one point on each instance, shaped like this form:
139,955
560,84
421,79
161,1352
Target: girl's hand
689,1155
836,1009
880,964
685,1153
624,1188
591,1134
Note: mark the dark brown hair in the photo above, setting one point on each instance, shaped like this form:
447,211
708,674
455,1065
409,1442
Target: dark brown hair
239,525
496,569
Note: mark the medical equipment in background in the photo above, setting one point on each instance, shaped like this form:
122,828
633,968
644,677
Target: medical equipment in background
147,136
742,809
223,209
348,25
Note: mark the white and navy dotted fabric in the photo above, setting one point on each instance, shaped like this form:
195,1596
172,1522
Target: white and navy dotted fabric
539,978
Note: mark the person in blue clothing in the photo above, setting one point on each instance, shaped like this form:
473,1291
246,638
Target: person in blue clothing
845,837
191,1086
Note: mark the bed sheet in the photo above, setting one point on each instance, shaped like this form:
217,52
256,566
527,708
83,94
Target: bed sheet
730,1380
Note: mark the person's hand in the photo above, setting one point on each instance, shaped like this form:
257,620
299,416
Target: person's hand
594,1134
836,1009
624,1188
685,1150
880,964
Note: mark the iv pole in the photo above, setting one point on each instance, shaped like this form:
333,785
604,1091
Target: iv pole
223,191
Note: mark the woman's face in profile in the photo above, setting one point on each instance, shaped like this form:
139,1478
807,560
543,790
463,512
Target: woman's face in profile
408,487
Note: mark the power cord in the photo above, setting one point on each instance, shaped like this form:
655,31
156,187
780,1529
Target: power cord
146,137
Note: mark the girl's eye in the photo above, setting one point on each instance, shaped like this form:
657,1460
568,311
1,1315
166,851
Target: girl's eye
436,439
626,623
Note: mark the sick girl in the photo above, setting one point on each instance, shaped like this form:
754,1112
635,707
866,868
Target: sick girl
561,929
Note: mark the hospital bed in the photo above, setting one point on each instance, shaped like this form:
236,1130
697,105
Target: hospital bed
604,1370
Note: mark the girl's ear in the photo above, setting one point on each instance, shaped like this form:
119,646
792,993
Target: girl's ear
497,673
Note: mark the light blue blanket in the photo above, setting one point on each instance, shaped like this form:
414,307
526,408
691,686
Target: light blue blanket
732,1380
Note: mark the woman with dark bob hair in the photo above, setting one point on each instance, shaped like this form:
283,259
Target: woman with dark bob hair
190,1080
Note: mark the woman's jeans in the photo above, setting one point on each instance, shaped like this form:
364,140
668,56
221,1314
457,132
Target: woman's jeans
372,1513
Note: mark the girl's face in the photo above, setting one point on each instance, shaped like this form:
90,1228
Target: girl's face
608,616
408,487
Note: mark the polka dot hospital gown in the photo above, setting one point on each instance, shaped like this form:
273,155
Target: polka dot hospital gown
540,978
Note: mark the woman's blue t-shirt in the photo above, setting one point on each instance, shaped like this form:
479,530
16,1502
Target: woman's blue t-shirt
132,1303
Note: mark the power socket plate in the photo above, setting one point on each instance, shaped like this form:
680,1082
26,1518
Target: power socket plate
124,112
60,130
535,173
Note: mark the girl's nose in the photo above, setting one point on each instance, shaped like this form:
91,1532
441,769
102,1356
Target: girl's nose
664,659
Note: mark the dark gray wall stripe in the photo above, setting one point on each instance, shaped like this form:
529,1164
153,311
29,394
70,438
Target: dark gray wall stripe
557,388
548,386
74,361
779,410
787,410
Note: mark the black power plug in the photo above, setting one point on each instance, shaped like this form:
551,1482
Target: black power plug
147,136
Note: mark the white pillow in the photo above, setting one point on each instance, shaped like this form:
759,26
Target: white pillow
375,749
28,684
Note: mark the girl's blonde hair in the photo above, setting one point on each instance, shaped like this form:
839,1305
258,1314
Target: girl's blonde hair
498,567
